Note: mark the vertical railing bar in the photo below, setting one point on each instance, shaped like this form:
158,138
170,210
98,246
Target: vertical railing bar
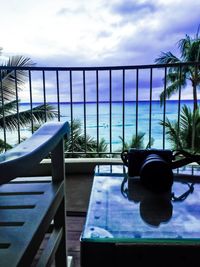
150,105
44,93
179,100
58,93
84,109
97,99
71,108
137,87
110,105
164,106
3,111
123,107
31,98
17,100
195,94
192,170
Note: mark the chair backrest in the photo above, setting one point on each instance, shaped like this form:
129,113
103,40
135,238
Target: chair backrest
19,160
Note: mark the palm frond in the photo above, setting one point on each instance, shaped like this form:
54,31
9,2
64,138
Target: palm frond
37,115
150,143
125,145
187,135
170,90
184,46
79,142
103,147
8,108
175,74
172,132
190,128
11,79
166,58
195,51
172,76
175,80
186,119
190,49
41,113
4,146
137,141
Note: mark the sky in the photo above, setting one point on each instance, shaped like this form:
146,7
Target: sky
95,32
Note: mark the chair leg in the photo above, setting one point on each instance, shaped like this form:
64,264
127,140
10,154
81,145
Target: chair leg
61,255
60,221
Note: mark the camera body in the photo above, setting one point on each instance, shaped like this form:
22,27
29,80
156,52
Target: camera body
153,166
136,158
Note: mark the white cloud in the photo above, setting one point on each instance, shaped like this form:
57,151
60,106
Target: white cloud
94,31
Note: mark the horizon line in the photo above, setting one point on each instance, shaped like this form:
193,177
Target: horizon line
107,101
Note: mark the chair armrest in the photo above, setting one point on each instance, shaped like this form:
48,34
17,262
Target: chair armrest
20,159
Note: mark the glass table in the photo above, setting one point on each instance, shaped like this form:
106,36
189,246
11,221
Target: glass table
126,225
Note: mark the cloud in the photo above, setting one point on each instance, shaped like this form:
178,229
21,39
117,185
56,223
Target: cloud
129,7
63,11
96,33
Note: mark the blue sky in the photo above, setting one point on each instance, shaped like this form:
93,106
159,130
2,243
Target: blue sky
95,32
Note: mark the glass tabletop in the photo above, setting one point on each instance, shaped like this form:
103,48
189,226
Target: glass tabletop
122,210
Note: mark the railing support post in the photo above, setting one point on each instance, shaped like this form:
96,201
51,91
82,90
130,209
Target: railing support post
58,174
58,162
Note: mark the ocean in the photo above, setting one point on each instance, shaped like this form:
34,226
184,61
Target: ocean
116,119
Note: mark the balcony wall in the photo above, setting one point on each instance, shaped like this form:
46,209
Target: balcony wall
79,177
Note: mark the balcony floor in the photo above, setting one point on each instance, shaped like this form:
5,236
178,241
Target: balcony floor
75,226
78,188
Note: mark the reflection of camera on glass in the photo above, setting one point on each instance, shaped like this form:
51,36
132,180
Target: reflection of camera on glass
154,208
152,165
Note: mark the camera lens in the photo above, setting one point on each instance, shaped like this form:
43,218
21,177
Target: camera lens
156,174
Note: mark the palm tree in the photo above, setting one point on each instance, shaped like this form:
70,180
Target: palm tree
181,136
9,80
178,78
78,142
137,141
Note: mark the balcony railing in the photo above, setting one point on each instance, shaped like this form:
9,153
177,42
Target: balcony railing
113,103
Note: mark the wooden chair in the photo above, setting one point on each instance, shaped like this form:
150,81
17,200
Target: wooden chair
28,206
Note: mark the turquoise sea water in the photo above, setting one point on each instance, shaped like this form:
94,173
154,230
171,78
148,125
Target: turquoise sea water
116,119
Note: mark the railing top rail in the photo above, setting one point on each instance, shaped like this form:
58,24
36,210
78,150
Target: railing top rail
128,67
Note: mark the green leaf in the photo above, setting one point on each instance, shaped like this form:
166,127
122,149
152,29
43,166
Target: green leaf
12,79
37,115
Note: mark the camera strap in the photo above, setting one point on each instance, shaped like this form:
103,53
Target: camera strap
124,157
188,158
185,194
125,192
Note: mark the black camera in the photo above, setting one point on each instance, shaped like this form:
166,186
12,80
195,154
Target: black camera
154,166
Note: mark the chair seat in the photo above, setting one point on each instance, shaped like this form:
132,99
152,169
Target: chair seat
26,211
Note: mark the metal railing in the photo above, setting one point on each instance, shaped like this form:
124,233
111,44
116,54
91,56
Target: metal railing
113,103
